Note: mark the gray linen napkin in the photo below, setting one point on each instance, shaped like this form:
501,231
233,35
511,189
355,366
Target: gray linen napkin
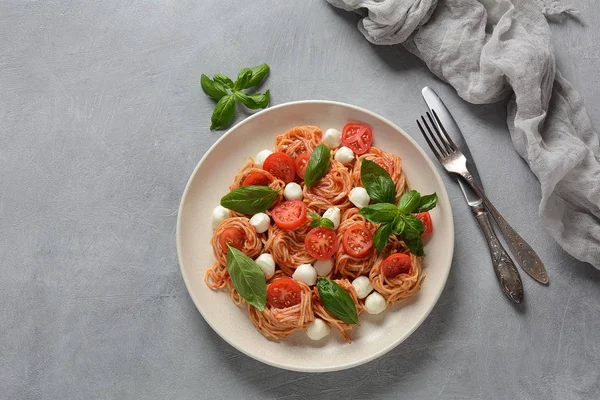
488,50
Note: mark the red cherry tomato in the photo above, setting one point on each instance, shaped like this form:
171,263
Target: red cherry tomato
357,240
385,164
281,165
256,179
232,236
425,217
301,163
395,265
321,243
283,293
289,214
358,137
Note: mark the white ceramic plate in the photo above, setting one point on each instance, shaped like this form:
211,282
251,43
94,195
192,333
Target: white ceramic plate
210,181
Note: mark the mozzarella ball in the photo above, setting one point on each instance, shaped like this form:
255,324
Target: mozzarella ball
323,267
292,191
359,197
333,213
261,157
317,329
363,286
260,222
344,155
219,215
266,263
305,273
375,303
332,138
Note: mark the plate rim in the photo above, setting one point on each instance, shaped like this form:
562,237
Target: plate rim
376,354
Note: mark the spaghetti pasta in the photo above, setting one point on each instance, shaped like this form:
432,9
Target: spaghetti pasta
346,265
331,191
298,140
287,247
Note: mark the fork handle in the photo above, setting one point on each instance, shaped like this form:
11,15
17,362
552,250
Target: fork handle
525,255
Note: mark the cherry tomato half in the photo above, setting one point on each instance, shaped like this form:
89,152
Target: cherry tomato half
281,165
321,243
425,218
395,265
301,163
289,214
358,137
232,236
283,293
256,179
357,240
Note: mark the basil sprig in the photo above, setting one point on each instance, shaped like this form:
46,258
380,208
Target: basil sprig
400,221
337,301
226,91
247,277
317,165
378,182
318,221
250,199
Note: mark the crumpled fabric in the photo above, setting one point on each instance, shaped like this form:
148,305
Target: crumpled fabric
489,50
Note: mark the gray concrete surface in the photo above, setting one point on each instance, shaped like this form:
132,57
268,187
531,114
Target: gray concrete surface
101,122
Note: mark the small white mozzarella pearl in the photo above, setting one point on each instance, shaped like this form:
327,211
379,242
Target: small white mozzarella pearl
375,303
260,222
333,213
323,267
332,138
363,286
344,155
261,157
219,215
292,191
317,329
266,263
359,197
305,273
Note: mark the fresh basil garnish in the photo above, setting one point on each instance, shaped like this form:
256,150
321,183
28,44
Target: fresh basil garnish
212,88
382,236
223,80
259,73
247,277
242,80
337,301
380,213
409,201
427,202
253,101
318,221
317,166
415,246
223,113
250,199
378,182
408,226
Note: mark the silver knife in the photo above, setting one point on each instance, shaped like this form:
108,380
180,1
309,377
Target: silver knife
504,267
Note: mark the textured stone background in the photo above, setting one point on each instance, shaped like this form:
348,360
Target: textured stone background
101,122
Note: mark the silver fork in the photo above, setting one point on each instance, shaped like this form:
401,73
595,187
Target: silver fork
455,162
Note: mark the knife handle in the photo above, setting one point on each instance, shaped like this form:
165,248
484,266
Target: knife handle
505,269
525,255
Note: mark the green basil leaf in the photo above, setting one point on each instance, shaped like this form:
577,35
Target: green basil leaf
415,246
223,80
223,113
379,213
337,301
408,226
317,166
399,224
378,182
427,202
327,223
249,199
259,73
318,221
212,88
254,101
247,277
409,201
381,237
242,80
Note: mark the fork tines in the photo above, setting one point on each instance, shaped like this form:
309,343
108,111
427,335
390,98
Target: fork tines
445,146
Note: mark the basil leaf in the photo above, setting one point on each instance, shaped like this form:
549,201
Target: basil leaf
259,73
399,224
249,199
379,213
212,88
415,246
378,182
247,277
327,223
317,166
254,101
223,80
408,226
427,202
382,236
223,113
337,301
318,221
242,80
409,201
